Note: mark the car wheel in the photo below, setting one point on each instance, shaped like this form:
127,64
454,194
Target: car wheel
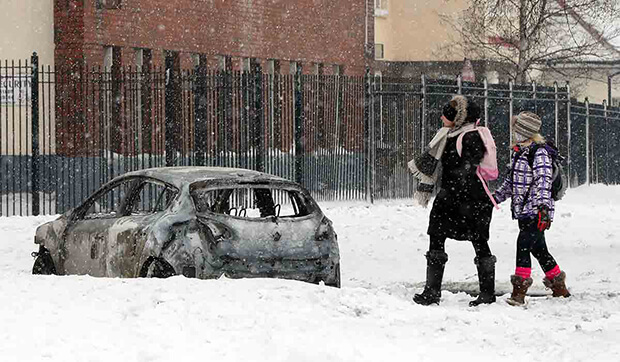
333,280
157,268
43,264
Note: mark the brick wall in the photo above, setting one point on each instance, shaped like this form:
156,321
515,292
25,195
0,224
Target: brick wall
68,31
318,34
320,31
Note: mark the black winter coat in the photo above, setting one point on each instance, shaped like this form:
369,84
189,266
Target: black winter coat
462,209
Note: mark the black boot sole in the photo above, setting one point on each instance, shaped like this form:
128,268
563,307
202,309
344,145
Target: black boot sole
422,300
477,302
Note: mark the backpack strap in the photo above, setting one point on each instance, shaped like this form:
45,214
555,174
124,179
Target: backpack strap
518,153
459,140
551,150
532,154
486,189
459,151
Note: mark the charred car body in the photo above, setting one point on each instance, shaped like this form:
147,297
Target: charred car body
201,222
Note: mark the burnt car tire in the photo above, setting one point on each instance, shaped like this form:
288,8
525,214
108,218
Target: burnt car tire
333,280
43,264
157,268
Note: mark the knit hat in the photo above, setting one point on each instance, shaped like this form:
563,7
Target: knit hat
461,110
526,124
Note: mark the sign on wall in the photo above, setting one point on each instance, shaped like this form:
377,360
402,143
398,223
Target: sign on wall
15,90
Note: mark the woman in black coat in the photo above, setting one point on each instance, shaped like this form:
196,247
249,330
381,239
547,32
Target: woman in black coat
461,210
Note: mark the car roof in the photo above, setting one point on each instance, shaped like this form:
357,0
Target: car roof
179,176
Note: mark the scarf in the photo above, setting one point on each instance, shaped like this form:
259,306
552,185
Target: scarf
425,167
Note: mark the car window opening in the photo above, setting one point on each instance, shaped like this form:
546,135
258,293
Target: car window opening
252,202
151,197
131,197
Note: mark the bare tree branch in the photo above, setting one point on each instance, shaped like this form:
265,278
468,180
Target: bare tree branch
530,34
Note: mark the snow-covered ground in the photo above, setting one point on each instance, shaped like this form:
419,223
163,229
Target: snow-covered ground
372,318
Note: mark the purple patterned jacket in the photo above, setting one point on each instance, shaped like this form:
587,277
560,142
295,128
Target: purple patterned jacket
529,187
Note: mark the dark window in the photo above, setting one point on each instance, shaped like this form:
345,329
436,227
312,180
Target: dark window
255,66
273,66
379,51
108,4
295,67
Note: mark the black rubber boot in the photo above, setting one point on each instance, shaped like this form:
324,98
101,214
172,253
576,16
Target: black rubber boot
435,265
486,279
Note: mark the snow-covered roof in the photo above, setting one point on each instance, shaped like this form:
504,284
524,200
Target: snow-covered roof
593,28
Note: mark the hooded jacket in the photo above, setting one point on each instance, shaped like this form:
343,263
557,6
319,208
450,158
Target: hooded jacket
529,187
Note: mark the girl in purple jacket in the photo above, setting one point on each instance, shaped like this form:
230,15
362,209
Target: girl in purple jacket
529,186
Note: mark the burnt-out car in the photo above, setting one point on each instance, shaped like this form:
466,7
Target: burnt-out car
201,222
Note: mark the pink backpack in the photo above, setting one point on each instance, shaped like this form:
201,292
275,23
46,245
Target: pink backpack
487,169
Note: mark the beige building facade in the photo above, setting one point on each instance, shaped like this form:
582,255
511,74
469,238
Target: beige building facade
591,84
413,30
26,26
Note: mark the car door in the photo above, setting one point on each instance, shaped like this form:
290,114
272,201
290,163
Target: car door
147,202
86,237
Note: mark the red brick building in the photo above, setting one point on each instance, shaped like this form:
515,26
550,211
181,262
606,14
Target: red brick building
322,37
316,34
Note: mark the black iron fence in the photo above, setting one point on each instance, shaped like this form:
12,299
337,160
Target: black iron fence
405,115
65,132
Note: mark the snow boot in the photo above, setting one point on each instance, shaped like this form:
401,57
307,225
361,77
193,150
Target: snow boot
435,265
486,280
557,285
520,286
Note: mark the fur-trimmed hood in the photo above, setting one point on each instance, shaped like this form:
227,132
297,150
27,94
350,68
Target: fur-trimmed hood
466,111
460,104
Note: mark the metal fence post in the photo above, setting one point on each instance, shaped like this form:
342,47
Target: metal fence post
368,136
200,111
459,83
568,126
423,118
170,118
557,110
259,124
606,142
534,96
587,142
486,102
35,134
299,131
510,85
